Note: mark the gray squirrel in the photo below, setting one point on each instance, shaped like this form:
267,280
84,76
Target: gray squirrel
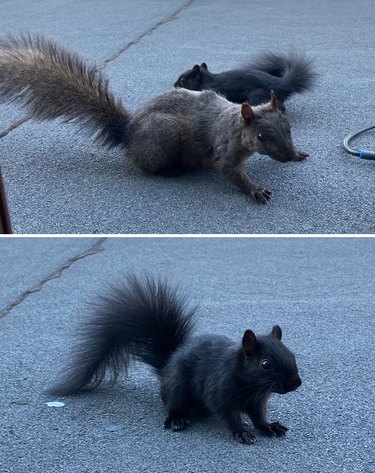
145,319
175,132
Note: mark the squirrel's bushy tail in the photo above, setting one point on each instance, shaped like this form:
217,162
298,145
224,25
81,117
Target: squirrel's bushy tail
293,72
53,82
144,319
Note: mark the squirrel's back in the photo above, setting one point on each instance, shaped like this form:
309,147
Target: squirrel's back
188,103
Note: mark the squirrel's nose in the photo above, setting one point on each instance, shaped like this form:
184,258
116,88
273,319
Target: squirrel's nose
295,382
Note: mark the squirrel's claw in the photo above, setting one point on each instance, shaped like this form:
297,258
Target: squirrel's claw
245,437
278,428
301,155
176,424
261,195
275,429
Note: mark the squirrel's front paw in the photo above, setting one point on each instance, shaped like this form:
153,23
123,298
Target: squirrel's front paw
261,195
301,155
275,429
245,437
278,428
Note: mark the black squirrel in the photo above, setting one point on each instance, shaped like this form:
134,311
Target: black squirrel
252,83
175,132
147,320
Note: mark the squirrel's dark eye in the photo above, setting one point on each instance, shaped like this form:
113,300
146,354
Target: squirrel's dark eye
181,81
261,137
266,364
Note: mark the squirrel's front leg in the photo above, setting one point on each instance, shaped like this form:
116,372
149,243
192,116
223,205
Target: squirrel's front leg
258,417
238,176
234,422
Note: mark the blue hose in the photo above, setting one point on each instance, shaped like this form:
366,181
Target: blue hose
363,153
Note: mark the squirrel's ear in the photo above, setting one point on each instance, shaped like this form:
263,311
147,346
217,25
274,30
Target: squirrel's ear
276,332
247,113
196,69
249,343
274,102
204,66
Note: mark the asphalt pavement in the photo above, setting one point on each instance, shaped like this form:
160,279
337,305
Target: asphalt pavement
319,290
58,181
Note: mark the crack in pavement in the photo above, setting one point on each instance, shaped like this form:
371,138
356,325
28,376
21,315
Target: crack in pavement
171,17
93,250
16,124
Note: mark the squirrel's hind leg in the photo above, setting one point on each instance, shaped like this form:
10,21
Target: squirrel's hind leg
156,145
177,400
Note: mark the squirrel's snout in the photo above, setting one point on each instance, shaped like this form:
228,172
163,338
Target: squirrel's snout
284,154
295,383
288,385
292,154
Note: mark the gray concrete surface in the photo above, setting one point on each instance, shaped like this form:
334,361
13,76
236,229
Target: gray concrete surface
319,290
59,182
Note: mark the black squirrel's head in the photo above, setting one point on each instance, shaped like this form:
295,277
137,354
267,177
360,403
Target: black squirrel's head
192,78
268,364
267,131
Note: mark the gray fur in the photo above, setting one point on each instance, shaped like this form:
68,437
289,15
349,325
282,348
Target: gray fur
176,132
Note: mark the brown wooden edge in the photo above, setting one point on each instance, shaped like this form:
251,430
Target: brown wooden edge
5,224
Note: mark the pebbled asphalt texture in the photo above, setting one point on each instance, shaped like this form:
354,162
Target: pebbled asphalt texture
58,181
319,290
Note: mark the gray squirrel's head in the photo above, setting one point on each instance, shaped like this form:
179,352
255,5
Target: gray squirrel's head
267,130
192,78
268,363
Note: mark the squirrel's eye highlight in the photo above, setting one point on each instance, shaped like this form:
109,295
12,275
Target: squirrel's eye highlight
266,364
261,137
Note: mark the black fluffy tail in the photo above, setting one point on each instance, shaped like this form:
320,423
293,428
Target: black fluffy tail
291,73
145,320
53,82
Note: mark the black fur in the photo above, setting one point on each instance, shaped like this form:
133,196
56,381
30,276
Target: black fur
252,83
146,320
